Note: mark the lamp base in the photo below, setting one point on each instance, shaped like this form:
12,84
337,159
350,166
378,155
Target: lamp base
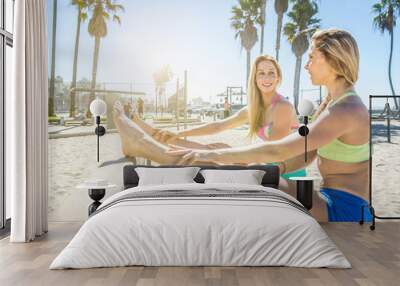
303,130
100,130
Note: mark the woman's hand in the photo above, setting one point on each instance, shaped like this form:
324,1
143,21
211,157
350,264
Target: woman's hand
165,136
189,156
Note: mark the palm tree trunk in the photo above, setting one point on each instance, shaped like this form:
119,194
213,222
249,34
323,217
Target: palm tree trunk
156,101
162,101
278,36
263,7
262,41
297,83
75,66
248,68
390,70
53,58
94,72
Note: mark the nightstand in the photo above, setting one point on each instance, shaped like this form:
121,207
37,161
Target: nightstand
96,191
304,190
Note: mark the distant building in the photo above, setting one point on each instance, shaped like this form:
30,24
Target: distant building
234,98
199,101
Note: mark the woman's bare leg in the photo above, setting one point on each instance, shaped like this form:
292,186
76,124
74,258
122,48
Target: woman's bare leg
150,130
136,142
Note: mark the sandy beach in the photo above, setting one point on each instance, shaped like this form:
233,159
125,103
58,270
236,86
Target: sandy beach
72,160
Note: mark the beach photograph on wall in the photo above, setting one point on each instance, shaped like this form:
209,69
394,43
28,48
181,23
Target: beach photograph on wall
223,82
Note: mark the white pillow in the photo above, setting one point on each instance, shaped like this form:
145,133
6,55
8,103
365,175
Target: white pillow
164,176
249,177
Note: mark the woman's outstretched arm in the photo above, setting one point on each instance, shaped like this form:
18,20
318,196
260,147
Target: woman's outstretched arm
233,121
297,163
152,131
329,125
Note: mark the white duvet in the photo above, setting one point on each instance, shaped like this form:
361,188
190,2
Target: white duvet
200,231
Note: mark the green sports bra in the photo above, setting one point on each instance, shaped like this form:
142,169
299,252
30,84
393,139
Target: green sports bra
338,151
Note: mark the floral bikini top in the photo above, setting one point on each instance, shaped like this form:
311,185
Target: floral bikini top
264,132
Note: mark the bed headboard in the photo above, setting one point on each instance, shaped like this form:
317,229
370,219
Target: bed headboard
270,179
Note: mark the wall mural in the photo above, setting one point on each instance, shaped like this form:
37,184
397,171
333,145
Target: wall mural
211,82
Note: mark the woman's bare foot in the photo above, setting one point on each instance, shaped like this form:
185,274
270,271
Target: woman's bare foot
131,134
136,142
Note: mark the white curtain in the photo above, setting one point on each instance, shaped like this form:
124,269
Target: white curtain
26,123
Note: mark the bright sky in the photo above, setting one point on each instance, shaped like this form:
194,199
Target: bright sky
196,36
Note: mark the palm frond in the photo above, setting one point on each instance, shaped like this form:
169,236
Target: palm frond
117,19
385,17
302,19
106,15
84,16
81,4
119,7
289,30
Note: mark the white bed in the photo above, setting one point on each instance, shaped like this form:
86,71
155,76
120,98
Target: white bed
206,230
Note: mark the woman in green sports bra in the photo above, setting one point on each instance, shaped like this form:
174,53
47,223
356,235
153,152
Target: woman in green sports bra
338,137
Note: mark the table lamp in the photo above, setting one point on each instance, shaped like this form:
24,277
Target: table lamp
98,108
305,108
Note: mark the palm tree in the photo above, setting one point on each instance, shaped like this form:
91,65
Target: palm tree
385,20
245,16
53,64
160,78
82,5
298,31
102,10
281,7
262,24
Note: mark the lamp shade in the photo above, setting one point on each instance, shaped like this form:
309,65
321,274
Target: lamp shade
98,107
305,107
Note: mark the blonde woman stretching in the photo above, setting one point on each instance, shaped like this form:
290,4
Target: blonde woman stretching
269,115
338,138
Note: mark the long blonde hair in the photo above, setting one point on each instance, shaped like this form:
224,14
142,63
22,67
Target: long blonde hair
256,111
341,53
